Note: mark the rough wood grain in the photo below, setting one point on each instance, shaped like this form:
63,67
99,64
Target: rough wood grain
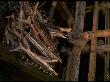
92,60
72,72
107,42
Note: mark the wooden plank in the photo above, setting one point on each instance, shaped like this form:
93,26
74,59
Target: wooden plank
102,33
102,6
72,72
99,48
92,60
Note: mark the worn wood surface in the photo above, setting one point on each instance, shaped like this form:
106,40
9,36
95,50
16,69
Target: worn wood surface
72,72
92,60
107,42
102,7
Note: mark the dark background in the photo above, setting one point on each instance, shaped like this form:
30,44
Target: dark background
10,72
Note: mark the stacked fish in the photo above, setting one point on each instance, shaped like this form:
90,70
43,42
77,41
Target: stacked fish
27,32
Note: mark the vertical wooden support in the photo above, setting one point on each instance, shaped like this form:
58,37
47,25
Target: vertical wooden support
92,60
72,72
107,41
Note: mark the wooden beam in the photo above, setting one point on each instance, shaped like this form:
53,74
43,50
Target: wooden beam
99,33
92,60
99,48
103,33
102,6
107,42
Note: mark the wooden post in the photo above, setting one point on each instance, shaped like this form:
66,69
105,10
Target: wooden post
92,60
72,72
107,42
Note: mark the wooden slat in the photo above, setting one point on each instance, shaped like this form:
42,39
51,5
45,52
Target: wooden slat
107,42
92,60
99,48
102,6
